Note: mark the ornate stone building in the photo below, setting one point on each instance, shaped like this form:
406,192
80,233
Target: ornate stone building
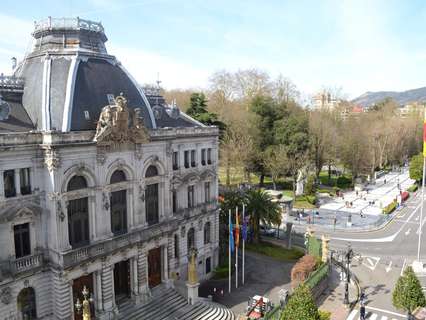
101,184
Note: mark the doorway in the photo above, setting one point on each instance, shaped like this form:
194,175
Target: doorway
122,281
77,288
154,267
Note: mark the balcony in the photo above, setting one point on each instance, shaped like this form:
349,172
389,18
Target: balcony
23,264
76,256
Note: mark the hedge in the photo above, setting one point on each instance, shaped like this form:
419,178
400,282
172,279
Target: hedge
316,276
390,207
413,188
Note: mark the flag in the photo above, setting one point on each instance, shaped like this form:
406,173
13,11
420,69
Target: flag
244,229
231,236
424,136
237,231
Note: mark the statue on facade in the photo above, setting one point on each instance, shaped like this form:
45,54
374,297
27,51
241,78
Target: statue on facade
192,268
114,125
300,182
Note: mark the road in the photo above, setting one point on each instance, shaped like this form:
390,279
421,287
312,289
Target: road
383,256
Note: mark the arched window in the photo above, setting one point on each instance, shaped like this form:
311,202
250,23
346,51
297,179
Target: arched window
151,172
191,239
176,246
207,233
118,202
77,182
78,214
27,304
118,176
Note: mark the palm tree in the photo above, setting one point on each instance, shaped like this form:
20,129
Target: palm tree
262,209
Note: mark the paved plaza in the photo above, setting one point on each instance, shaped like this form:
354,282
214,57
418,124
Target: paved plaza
364,208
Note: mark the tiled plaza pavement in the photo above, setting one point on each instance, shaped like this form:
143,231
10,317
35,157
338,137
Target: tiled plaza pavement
266,276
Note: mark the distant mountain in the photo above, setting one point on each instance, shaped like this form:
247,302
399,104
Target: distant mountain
403,97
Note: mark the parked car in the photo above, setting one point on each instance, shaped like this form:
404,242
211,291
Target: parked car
267,231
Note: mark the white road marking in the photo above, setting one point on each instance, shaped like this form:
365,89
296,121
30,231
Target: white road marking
403,266
373,316
384,318
352,315
417,218
370,262
384,239
389,267
386,311
408,231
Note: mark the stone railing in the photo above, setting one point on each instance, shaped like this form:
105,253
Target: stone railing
68,24
11,83
76,256
26,263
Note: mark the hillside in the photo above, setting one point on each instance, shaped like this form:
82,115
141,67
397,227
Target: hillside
403,97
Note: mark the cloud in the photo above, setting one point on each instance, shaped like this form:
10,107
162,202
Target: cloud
145,67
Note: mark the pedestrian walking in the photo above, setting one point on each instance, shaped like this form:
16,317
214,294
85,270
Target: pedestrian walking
334,223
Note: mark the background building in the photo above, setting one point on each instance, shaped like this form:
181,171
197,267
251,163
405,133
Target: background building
111,198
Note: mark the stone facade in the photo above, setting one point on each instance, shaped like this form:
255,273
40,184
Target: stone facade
82,205
53,264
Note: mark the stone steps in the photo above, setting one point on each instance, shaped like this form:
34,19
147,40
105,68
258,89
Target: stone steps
168,304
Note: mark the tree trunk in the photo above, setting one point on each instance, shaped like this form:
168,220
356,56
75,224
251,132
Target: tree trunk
262,180
329,173
228,172
256,238
274,183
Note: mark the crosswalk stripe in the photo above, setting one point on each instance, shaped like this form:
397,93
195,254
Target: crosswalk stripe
352,315
373,316
384,318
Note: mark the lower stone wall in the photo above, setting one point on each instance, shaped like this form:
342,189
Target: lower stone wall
41,283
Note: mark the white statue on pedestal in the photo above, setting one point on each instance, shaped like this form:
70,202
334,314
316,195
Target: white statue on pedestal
300,182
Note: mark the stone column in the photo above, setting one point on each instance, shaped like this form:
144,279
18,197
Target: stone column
107,287
134,279
131,212
98,291
1,185
62,297
142,269
92,219
17,182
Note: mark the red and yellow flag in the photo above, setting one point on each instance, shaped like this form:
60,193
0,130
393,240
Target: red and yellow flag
424,136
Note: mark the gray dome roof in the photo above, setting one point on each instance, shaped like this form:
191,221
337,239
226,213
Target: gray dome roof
69,77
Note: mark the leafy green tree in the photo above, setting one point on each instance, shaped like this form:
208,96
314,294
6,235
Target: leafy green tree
416,167
407,294
262,209
198,110
301,305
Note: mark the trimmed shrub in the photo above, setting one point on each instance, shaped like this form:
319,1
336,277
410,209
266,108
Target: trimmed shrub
343,182
302,269
413,188
324,315
390,207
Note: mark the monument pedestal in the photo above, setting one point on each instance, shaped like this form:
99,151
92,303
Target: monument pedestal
192,293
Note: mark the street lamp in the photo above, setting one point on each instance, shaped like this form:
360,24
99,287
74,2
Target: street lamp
348,256
85,306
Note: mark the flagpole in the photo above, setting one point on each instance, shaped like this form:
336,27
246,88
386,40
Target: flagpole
229,257
421,210
236,247
244,239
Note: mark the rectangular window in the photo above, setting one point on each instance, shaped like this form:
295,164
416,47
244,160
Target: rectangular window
206,191
191,199
175,160
176,246
24,175
208,265
193,164
21,234
174,201
151,205
203,157
9,183
209,156
186,156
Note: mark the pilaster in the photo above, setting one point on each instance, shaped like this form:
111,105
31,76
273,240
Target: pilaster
62,293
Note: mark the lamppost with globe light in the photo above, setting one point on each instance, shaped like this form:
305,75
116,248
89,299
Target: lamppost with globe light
85,306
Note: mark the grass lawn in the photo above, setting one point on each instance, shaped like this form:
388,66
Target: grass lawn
221,272
275,251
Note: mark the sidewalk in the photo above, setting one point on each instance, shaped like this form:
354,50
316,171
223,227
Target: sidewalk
332,299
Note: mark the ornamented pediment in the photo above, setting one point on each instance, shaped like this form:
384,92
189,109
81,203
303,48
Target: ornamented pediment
18,211
117,124
207,174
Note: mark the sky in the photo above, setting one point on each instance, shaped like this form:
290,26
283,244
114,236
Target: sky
356,46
